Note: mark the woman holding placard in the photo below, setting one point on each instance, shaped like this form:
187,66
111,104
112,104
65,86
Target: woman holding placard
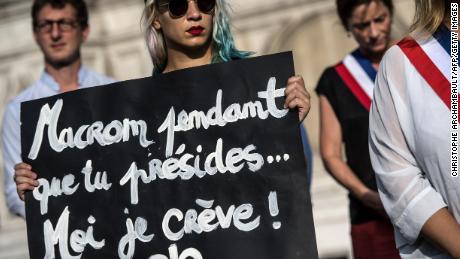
182,34
410,137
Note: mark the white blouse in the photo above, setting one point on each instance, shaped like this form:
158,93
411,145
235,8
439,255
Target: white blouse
409,146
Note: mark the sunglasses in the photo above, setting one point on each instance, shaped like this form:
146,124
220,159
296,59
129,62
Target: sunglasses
178,8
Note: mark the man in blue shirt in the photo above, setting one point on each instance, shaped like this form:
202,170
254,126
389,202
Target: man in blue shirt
59,27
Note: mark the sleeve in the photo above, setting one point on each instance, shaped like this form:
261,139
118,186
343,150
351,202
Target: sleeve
406,193
324,86
11,144
327,87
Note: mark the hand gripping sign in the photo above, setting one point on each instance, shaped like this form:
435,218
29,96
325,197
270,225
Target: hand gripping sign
197,163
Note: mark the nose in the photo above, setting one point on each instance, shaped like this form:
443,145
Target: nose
193,12
55,31
374,30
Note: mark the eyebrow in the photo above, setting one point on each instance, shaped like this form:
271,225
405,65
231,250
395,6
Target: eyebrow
57,20
367,21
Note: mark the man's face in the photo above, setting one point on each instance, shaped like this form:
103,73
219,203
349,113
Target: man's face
59,35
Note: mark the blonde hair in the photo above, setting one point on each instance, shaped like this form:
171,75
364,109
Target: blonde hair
154,39
429,15
223,46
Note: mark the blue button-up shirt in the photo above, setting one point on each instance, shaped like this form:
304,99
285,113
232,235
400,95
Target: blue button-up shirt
11,130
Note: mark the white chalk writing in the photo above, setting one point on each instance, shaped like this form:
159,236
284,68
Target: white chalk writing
100,182
56,188
115,132
78,239
206,221
126,246
217,116
172,168
174,254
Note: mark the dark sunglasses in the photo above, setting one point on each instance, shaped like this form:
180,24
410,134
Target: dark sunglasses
178,8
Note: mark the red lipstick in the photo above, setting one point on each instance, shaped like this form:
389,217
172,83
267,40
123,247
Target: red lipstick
195,30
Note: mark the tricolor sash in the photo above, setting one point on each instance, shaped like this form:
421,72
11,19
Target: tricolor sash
358,74
431,58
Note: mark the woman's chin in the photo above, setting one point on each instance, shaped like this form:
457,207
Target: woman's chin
379,49
196,44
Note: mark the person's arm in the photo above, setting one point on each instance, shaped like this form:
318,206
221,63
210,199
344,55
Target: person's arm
331,153
11,147
442,230
414,206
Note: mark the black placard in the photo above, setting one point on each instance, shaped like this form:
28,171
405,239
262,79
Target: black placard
232,185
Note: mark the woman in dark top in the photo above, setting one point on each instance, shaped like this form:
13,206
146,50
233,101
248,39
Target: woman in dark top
345,92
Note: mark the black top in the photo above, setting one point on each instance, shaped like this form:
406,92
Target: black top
354,120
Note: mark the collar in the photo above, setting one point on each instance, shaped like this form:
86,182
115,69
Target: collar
49,81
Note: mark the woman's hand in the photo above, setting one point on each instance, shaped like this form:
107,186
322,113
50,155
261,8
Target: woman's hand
297,96
372,200
25,179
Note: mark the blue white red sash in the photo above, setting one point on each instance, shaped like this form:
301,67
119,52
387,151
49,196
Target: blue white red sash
431,58
358,74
